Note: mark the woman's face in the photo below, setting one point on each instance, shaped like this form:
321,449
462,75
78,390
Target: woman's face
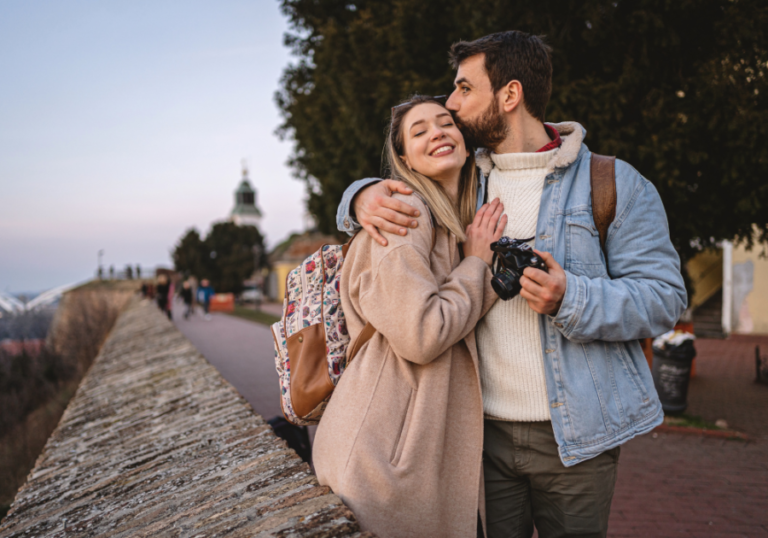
433,144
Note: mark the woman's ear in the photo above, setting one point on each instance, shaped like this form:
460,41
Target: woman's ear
404,158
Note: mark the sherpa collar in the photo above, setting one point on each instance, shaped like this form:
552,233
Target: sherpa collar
572,134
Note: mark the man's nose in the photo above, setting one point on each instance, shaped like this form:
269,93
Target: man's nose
453,102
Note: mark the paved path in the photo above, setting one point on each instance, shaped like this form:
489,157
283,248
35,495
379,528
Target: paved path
688,486
244,353
668,485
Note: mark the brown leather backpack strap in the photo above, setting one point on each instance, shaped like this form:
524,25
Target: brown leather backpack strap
603,182
365,335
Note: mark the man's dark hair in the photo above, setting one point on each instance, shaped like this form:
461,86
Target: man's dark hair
512,56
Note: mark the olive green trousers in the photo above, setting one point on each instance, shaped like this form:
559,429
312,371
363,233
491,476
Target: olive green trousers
526,484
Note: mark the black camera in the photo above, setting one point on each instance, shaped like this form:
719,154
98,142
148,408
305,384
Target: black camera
510,258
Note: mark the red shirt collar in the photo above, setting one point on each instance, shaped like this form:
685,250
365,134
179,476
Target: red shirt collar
555,136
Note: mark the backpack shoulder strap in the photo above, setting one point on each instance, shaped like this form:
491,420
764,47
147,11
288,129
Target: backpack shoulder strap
603,182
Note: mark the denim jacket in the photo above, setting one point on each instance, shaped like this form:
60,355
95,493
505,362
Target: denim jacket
599,386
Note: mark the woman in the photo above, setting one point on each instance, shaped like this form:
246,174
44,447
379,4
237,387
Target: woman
401,439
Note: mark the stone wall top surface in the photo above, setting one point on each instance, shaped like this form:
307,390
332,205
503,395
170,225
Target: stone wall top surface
157,443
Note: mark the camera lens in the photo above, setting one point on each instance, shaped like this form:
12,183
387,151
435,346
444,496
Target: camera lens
506,284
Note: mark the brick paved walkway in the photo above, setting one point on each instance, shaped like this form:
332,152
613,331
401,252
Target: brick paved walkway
688,486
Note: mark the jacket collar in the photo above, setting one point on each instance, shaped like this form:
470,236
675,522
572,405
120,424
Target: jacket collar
572,134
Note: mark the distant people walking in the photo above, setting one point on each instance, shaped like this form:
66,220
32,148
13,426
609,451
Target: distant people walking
162,291
186,296
204,294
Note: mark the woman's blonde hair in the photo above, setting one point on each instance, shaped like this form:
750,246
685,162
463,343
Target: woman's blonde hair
454,217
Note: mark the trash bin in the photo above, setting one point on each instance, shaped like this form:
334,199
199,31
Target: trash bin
673,353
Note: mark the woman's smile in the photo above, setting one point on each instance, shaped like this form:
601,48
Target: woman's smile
441,150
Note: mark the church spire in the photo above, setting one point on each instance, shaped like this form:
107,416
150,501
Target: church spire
245,212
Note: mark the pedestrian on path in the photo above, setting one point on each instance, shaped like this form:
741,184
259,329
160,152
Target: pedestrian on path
204,294
564,379
401,439
186,296
164,295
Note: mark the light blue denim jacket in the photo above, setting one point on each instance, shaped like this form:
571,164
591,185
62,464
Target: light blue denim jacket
599,386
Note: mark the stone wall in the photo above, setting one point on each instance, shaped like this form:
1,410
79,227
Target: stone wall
157,443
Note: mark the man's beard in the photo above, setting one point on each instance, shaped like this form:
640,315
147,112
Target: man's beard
487,131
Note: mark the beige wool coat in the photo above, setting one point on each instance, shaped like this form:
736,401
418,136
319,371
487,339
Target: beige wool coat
401,439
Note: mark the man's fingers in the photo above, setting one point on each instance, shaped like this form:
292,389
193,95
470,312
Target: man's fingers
536,275
397,219
386,226
397,186
373,232
548,259
399,206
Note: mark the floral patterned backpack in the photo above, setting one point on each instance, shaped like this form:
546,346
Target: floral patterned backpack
311,340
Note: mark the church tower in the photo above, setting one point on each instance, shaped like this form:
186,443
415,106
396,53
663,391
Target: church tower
245,212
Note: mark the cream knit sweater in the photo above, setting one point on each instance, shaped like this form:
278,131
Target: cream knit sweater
509,343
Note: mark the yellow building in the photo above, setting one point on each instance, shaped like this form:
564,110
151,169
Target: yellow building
730,290
288,255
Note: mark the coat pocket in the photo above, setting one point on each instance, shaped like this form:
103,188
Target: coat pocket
399,444
583,253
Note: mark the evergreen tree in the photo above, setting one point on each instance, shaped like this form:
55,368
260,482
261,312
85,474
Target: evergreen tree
227,256
676,88
191,256
233,257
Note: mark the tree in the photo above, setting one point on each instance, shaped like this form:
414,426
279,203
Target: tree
227,256
234,251
676,88
191,256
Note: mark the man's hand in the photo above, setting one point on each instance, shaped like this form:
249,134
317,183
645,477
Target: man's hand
544,291
376,210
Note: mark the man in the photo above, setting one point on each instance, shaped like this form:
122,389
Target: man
564,379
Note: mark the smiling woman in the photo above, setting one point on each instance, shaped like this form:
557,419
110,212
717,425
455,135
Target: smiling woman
401,439
426,150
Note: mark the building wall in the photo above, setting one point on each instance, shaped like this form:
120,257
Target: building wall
281,270
706,272
750,291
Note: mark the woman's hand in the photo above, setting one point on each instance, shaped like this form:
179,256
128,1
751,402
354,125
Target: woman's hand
487,227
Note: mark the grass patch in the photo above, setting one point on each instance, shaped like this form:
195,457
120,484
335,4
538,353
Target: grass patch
254,315
690,421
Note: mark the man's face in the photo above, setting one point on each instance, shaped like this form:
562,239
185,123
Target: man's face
475,105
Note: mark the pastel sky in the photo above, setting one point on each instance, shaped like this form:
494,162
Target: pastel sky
124,122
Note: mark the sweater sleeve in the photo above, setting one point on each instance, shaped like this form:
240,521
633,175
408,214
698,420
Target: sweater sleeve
420,317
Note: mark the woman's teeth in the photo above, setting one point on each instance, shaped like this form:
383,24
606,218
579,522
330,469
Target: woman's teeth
442,150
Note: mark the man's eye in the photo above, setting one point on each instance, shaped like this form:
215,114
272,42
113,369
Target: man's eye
464,89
